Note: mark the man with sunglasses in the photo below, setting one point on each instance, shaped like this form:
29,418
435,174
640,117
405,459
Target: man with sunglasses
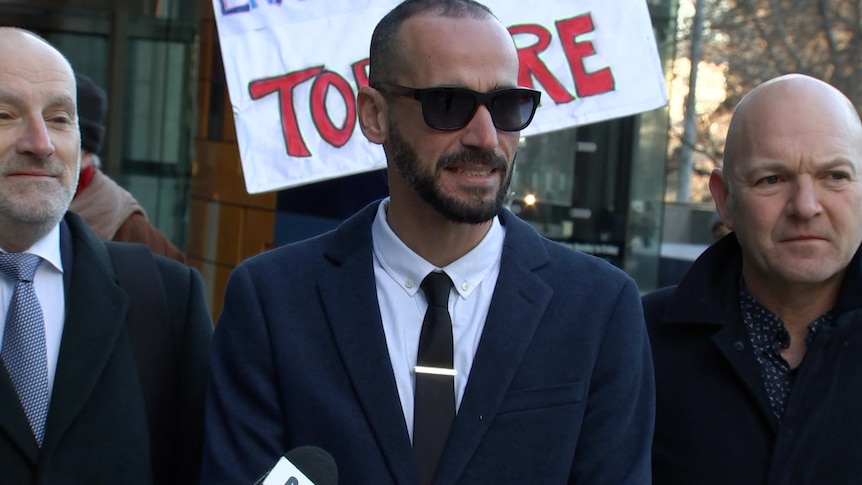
532,367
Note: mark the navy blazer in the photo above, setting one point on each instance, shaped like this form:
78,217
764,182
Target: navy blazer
97,429
561,388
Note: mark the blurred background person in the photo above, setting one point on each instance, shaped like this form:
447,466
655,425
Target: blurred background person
111,211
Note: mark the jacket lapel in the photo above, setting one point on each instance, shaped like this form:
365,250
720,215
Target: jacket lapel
519,302
95,315
700,300
13,421
348,292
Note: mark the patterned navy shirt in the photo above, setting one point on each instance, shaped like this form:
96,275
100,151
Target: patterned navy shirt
768,336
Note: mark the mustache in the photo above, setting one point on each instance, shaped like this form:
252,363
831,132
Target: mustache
491,158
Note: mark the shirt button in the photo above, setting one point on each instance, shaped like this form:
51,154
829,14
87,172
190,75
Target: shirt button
738,346
409,283
465,286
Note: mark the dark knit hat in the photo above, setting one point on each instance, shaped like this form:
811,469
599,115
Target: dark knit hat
92,105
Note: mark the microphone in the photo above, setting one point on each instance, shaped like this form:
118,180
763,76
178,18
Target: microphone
305,465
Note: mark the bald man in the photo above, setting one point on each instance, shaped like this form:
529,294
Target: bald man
75,406
758,350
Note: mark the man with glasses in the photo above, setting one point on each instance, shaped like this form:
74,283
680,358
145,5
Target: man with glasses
434,337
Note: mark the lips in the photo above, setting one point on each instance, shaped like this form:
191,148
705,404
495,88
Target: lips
804,238
32,167
31,174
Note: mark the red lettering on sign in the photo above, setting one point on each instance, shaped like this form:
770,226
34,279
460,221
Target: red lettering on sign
335,136
283,85
360,72
531,65
586,84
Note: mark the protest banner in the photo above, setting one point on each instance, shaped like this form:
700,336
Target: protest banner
293,68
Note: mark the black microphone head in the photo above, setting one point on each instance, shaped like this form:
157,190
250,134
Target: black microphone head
315,463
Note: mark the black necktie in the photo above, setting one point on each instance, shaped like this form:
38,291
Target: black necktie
434,408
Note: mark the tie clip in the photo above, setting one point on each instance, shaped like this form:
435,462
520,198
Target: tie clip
437,371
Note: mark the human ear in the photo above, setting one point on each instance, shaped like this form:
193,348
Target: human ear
373,116
721,194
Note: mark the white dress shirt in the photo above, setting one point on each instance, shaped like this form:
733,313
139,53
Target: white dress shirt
48,284
398,272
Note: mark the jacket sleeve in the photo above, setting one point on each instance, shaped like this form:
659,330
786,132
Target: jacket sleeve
616,437
243,417
193,327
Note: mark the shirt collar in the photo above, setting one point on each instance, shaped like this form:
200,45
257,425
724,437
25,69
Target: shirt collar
766,328
408,269
48,248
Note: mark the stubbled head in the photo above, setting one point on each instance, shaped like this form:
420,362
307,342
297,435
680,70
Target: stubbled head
461,172
386,58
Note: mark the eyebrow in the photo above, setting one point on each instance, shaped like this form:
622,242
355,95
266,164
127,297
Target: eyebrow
840,161
56,100
780,167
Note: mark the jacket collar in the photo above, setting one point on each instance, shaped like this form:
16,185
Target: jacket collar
712,281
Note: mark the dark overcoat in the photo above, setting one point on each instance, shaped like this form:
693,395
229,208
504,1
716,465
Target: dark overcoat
97,429
714,423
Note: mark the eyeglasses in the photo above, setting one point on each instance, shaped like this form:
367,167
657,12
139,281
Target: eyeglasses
451,108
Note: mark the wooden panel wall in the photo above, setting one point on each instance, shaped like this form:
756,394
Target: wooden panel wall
226,224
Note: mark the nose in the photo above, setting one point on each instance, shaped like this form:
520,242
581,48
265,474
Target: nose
35,138
804,202
480,133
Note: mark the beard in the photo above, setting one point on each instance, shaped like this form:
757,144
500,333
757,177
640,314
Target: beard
40,202
476,208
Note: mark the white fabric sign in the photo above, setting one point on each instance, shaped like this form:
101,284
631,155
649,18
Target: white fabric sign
293,68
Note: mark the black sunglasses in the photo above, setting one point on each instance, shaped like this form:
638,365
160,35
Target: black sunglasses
451,108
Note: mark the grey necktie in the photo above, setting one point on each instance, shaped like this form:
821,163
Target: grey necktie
23,352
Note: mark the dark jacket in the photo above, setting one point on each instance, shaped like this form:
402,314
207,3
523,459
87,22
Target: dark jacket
560,389
97,428
714,424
